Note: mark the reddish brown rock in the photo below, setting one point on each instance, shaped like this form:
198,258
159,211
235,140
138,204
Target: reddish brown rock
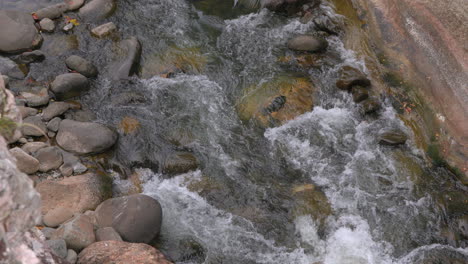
118,252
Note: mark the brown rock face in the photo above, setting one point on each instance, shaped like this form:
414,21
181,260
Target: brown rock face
118,252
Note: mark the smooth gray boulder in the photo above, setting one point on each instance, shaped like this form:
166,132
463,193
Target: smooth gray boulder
58,246
124,68
32,147
17,32
54,109
307,43
78,233
24,161
96,10
107,233
54,124
82,66
137,218
50,158
85,137
10,68
27,111
36,99
33,126
52,12
68,85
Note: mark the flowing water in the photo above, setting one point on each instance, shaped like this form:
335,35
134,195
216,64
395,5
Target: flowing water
380,204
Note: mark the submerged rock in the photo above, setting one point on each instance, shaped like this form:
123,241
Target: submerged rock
119,252
370,105
68,85
359,94
349,77
179,162
81,65
392,138
17,32
11,69
124,68
137,218
30,57
96,10
308,43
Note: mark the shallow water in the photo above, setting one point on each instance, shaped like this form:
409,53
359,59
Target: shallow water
387,205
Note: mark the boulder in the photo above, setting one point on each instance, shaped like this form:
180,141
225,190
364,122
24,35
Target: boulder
27,111
58,246
78,233
349,76
30,57
54,124
36,99
47,232
119,252
288,6
96,10
50,158
78,193
54,109
179,162
107,233
33,126
81,65
47,25
17,32
32,147
51,12
308,43
11,69
392,138
57,216
85,137
359,93
73,162
74,4
66,170
125,67
137,218
104,30
72,257
69,85
24,161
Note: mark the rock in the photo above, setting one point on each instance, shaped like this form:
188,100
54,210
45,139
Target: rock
92,217
47,232
370,105
54,124
308,43
24,161
80,115
27,111
51,134
392,138
33,126
32,147
36,99
69,85
288,6
85,137
30,57
349,76
54,109
137,218
17,32
74,4
47,25
60,44
180,162
58,246
57,216
127,98
119,252
50,158
96,10
81,65
107,233
104,30
122,69
68,27
6,80
10,69
66,170
52,12
78,233
359,93
73,162
78,193
72,257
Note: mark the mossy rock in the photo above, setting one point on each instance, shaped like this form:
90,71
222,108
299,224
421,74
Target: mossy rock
277,101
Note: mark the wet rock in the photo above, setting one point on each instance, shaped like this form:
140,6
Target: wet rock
36,99
104,30
54,109
107,233
47,25
180,137
17,32
180,162
24,161
137,218
392,138
78,233
33,126
52,12
349,76
72,257
96,10
69,85
119,252
54,124
308,43
78,193
81,65
47,232
124,68
30,57
58,246
74,4
32,147
85,137
27,111
50,158
370,105
57,216
80,115
359,93
10,69
127,98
